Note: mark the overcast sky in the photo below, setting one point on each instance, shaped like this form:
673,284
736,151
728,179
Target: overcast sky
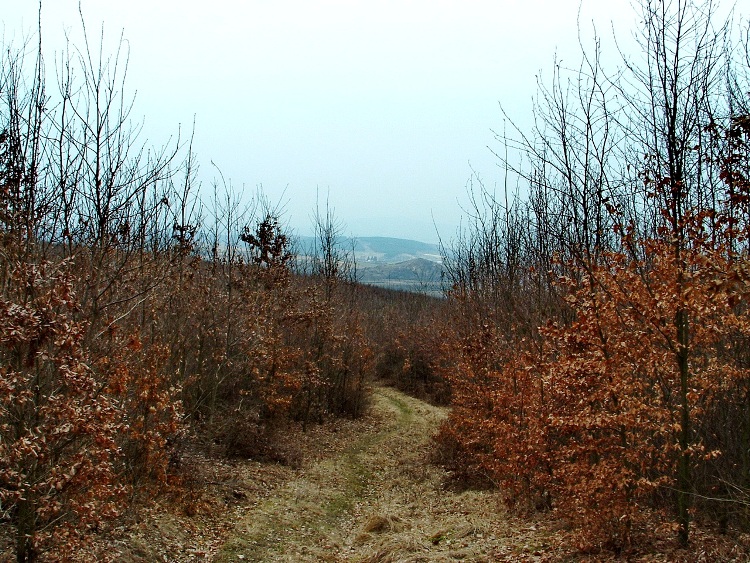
385,107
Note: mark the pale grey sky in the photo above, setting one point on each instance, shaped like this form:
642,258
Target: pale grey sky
385,106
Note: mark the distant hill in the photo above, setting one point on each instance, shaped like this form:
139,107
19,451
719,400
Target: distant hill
390,250
394,263
383,249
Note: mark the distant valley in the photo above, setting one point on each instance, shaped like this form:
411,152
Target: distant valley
417,274
393,263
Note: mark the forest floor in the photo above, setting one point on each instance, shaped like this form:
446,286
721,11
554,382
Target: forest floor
363,491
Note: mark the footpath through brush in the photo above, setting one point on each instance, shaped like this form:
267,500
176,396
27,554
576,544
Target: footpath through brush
379,499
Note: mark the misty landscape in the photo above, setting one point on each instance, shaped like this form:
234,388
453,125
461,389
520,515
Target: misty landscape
312,326
398,264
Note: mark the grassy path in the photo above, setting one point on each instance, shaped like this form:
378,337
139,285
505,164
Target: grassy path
377,500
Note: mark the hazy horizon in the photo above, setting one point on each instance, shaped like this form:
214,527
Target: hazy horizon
386,109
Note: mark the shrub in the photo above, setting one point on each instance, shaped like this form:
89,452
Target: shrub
58,428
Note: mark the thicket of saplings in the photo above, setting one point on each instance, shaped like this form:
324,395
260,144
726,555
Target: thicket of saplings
600,352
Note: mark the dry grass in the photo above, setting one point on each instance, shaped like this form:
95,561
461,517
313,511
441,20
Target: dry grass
378,500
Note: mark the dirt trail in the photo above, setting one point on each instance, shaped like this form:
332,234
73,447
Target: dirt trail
376,500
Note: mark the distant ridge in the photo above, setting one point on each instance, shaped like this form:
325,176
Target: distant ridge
391,250
394,263
385,250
